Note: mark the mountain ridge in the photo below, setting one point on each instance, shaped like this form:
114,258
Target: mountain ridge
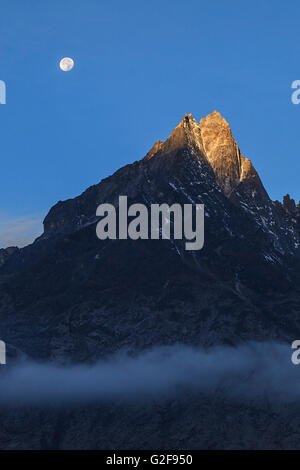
70,298
213,147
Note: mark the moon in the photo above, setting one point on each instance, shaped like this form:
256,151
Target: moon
66,64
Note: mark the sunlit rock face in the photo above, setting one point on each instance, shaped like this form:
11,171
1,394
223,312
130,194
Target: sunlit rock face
222,151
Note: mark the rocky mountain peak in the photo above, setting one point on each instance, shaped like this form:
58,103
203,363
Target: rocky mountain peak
186,135
211,139
71,298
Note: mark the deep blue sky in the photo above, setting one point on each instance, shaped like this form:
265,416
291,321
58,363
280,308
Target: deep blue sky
139,66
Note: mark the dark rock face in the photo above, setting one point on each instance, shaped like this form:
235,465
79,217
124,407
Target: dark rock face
72,298
6,252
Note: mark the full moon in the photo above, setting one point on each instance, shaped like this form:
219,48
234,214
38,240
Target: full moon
66,64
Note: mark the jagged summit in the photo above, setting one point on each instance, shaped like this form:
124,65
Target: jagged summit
211,139
187,134
188,122
224,155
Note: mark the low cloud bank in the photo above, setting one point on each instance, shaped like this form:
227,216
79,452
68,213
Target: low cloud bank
248,371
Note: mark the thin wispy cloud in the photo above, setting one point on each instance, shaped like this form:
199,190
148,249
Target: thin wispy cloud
19,231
